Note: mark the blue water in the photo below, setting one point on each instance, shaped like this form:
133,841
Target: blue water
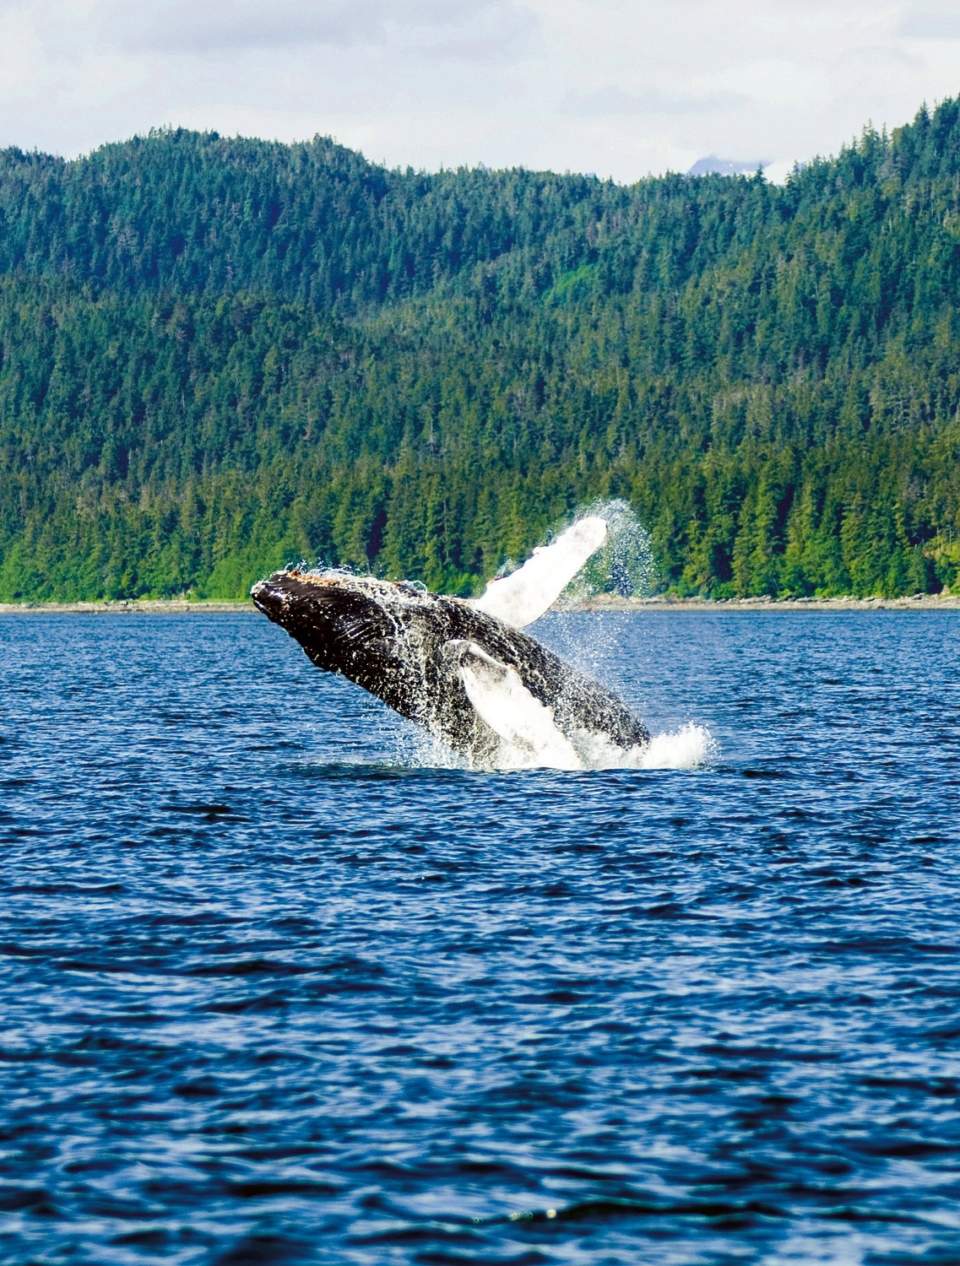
270,993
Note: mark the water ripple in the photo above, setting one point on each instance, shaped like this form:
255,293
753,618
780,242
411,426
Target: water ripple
274,992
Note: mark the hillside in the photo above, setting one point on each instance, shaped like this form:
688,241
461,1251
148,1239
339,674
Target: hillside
219,355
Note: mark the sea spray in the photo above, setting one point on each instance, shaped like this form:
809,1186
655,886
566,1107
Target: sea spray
689,747
623,565
521,731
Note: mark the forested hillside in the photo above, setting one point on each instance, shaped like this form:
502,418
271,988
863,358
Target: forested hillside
217,356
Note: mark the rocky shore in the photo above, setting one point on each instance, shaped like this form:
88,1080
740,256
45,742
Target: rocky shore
602,602
131,606
663,602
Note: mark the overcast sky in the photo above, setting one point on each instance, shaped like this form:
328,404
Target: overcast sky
615,87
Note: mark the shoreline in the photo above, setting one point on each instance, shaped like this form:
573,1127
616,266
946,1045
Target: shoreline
661,602
131,606
603,602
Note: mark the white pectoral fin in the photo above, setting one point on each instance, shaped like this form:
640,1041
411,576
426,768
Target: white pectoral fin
530,591
523,724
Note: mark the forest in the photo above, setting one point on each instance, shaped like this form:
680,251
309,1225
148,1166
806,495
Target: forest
219,356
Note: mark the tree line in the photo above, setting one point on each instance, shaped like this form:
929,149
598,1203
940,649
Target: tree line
218,356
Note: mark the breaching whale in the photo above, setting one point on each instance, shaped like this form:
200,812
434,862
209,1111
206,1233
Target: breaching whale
463,668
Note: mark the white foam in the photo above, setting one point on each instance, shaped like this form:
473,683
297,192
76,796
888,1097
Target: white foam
690,747
687,748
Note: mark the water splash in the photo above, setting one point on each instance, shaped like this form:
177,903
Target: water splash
529,738
625,564
690,747
687,748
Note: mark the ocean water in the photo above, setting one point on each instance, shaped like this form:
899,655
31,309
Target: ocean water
276,989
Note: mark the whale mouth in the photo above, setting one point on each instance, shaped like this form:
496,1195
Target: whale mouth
265,598
339,619
335,594
275,594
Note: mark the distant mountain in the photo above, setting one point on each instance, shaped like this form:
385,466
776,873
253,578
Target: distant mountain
713,166
220,355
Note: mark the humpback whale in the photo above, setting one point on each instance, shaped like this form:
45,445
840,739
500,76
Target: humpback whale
462,668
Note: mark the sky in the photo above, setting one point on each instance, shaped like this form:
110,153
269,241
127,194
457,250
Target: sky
612,87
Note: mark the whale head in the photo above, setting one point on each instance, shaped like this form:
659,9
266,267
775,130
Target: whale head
381,635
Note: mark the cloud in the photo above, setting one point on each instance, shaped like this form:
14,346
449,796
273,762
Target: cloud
200,29
612,100
932,24
623,88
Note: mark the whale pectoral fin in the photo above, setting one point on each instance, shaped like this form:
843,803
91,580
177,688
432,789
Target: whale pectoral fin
523,724
530,591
